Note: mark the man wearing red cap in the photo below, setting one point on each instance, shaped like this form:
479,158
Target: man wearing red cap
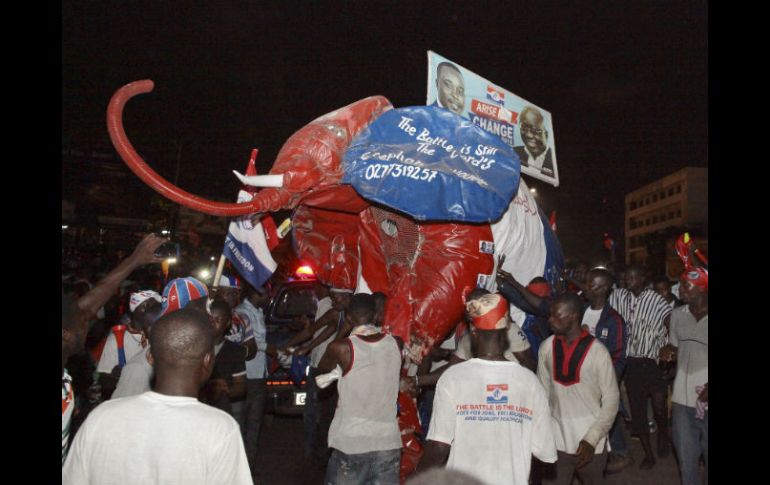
582,390
533,299
490,414
688,346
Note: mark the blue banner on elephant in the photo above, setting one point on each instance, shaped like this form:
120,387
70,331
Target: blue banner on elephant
432,165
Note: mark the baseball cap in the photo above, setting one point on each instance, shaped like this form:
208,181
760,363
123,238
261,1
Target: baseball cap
140,297
181,291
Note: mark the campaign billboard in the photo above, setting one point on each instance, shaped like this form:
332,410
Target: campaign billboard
522,125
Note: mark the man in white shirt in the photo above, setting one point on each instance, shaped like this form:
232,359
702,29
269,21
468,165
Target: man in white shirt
490,414
250,311
580,383
170,437
126,341
364,433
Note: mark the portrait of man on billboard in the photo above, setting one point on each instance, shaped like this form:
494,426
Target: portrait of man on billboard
450,86
535,153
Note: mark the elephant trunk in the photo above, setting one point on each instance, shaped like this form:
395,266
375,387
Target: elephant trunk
269,199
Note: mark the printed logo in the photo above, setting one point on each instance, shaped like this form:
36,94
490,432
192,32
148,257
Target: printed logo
497,393
495,95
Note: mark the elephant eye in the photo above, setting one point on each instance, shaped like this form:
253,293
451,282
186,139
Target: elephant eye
389,227
338,132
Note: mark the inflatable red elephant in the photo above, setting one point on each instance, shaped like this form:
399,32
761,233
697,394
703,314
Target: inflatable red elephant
423,267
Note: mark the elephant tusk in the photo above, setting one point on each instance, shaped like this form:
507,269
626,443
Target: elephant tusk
260,180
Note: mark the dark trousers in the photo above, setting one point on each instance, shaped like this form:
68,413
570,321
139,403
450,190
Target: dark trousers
317,416
644,378
250,417
565,470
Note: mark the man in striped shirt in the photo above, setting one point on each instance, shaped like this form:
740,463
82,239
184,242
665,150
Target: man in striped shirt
646,314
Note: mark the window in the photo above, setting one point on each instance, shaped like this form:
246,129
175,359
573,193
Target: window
654,219
647,222
662,194
632,205
679,212
670,191
678,189
671,215
654,197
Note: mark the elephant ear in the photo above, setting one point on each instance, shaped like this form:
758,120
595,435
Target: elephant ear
433,165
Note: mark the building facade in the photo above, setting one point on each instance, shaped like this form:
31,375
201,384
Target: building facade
656,214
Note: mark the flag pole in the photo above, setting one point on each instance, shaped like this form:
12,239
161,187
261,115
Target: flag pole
222,258
220,269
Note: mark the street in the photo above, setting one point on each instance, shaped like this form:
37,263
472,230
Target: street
280,459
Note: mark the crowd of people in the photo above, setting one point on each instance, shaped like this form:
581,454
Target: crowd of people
175,391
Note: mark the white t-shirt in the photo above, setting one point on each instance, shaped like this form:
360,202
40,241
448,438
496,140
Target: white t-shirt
582,410
157,439
516,339
256,368
132,345
495,415
135,377
591,319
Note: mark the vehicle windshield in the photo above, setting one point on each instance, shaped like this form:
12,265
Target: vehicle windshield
293,302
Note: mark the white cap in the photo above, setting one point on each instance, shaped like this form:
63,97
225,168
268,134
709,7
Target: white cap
140,297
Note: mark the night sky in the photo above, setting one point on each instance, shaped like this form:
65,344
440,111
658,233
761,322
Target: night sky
626,83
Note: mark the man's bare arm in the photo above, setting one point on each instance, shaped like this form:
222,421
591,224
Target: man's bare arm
104,289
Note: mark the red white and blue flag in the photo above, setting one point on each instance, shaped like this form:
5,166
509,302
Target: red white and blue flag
495,95
246,246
